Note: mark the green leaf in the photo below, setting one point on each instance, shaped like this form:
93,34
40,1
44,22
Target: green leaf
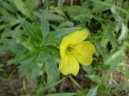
83,17
115,58
44,24
54,17
95,78
78,13
61,32
108,4
75,10
88,69
48,86
13,46
3,11
112,38
75,82
57,10
31,66
7,6
50,67
92,92
28,27
26,66
10,20
54,50
66,24
3,26
54,38
99,9
99,48
62,94
32,5
124,32
50,16
22,8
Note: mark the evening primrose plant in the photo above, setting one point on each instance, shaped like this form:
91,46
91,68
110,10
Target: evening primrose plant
38,50
71,46
61,50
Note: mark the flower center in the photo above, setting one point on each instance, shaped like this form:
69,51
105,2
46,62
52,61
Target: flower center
69,49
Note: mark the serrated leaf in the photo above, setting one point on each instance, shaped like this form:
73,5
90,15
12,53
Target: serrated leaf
109,34
114,58
32,30
28,27
26,66
112,39
99,48
31,67
13,46
50,67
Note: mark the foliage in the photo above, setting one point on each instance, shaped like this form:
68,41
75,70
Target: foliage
32,31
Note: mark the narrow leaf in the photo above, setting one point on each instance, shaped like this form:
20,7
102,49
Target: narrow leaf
22,8
44,24
62,94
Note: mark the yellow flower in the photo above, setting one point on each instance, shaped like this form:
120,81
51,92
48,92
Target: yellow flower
74,50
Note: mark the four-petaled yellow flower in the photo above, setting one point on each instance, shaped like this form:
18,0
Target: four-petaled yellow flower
74,50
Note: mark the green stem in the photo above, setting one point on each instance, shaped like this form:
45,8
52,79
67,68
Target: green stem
75,82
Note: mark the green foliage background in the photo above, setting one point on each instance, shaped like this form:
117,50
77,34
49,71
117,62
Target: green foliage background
32,31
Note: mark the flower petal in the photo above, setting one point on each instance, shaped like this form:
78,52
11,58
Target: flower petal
63,46
72,39
83,52
69,65
78,36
